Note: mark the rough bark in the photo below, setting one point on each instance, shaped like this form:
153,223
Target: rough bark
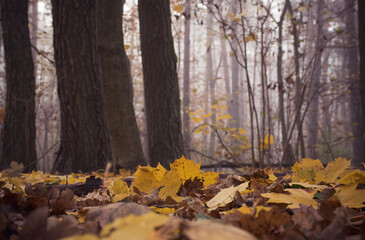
352,65
165,142
19,130
186,89
361,26
85,142
125,142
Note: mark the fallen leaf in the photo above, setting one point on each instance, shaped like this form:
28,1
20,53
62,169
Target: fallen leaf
225,196
134,227
333,171
186,169
296,197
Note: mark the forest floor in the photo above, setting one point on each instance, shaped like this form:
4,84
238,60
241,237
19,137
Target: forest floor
309,202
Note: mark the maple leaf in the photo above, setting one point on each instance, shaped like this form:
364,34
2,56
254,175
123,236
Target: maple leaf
225,196
353,176
209,178
171,184
333,171
147,178
350,197
296,197
134,227
306,170
186,169
118,190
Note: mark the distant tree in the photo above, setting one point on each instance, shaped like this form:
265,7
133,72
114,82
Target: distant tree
165,142
85,142
352,65
186,90
117,85
18,136
361,22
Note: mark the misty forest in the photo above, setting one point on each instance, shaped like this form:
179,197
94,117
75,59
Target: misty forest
256,83
182,119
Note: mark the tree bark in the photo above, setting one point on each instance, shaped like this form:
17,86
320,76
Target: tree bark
186,90
352,65
165,142
85,142
314,86
288,156
361,26
19,130
125,142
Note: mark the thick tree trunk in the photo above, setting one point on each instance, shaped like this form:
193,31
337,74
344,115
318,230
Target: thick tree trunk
186,90
85,142
361,22
117,85
19,125
165,142
352,65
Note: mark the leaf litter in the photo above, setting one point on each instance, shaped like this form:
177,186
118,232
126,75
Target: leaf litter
310,202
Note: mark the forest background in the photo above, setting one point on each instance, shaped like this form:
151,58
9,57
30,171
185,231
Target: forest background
261,83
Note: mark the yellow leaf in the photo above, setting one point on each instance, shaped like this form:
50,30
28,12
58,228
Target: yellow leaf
350,197
302,8
225,196
134,227
223,107
306,170
210,178
145,179
307,185
186,169
353,176
196,119
231,16
251,37
268,140
87,236
118,190
288,16
178,8
171,183
227,116
159,172
333,171
241,131
164,210
295,197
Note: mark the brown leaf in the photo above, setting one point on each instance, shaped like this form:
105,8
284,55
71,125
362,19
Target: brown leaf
35,225
308,218
108,213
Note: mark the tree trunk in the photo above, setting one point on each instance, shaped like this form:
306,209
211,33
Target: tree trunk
85,142
288,156
19,125
165,142
186,90
314,86
125,142
352,66
361,22
298,86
